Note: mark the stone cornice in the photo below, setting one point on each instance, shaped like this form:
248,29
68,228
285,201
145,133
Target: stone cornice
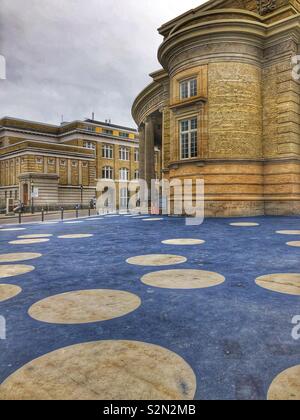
255,31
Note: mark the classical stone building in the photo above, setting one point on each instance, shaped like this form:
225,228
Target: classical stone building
225,106
47,165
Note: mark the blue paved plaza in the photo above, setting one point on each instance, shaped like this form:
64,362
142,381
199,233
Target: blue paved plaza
235,337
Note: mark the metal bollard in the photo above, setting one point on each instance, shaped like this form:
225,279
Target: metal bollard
62,213
89,212
43,215
77,213
20,217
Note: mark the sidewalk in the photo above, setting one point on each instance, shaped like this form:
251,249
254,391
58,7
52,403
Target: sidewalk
49,216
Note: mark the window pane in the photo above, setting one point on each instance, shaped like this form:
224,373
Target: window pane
194,146
184,90
184,125
194,124
193,87
184,146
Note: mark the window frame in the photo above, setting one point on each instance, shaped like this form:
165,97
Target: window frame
122,171
136,155
191,92
192,144
106,170
124,154
107,151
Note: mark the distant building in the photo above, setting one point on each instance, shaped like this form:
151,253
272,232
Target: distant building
60,165
225,106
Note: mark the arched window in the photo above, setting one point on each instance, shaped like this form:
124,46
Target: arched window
107,172
124,174
136,174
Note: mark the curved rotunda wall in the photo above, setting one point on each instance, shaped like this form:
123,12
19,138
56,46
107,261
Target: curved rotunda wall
240,138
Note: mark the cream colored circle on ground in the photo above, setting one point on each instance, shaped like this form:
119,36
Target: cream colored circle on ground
76,236
14,270
288,232
35,236
84,306
153,220
294,243
183,242
183,279
244,224
7,258
8,291
28,241
12,229
283,283
104,370
286,386
156,260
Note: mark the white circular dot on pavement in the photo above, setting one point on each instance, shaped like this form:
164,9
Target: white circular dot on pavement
107,370
183,242
286,283
288,232
8,291
36,236
28,241
286,386
15,257
76,236
84,306
14,270
295,244
183,279
244,224
156,260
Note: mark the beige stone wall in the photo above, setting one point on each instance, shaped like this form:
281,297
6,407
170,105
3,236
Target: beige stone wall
235,111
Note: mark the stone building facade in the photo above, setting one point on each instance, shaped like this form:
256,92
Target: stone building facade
225,106
47,166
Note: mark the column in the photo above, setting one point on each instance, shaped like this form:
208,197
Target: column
149,151
142,168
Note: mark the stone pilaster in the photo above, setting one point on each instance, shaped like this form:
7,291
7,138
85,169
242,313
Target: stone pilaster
149,151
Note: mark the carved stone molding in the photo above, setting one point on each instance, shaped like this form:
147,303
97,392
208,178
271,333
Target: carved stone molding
265,6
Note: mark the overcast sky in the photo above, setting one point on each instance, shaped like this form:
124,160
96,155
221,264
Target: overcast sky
73,57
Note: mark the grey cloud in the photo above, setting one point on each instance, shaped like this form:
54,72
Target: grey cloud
74,57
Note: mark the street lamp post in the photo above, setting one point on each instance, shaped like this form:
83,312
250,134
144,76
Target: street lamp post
32,198
81,195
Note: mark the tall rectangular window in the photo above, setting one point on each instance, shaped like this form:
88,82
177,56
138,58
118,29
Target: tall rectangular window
189,138
124,153
188,88
107,151
124,198
124,174
136,155
107,172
